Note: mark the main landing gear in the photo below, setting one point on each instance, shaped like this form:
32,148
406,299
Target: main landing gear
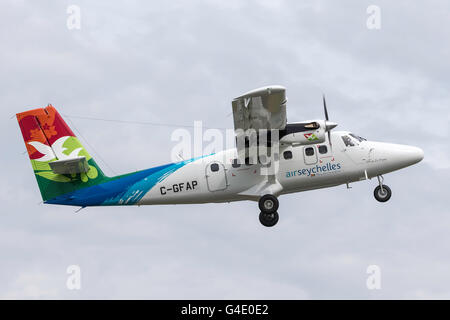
268,204
382,192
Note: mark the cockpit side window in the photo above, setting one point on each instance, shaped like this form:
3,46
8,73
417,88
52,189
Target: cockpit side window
348,141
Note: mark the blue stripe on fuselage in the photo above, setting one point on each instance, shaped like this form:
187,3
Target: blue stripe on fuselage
127,190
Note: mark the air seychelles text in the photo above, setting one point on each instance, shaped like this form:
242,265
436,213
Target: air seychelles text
318,169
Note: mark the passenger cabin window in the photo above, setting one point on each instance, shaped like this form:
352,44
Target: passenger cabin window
309,151
348,141
235,163
287,155
323,149
214,167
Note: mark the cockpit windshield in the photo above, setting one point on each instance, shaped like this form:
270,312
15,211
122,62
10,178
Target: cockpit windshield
352,140
348,141
360,139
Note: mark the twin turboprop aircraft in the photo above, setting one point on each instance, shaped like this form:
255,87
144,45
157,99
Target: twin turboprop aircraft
271,158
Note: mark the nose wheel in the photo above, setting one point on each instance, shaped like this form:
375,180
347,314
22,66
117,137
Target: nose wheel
268,204
382,192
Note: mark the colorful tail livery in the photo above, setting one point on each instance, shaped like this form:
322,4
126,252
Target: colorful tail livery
49,140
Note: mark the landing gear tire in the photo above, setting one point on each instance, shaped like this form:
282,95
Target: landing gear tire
269,219
268,204
382,194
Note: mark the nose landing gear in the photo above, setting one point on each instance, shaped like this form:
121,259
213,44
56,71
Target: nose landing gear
268,204
382,192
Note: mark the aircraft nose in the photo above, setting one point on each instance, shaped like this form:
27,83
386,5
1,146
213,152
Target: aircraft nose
388,157
416,154
408,155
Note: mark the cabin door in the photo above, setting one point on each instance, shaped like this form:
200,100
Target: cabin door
310,155
216,177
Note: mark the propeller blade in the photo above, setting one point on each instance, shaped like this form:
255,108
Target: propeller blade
328,124
325,107
329,140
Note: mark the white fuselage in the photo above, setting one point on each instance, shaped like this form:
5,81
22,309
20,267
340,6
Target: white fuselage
310,167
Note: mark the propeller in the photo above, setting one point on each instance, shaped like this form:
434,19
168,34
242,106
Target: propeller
328,124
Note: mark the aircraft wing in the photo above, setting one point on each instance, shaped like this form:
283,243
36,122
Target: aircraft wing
259,109
263,108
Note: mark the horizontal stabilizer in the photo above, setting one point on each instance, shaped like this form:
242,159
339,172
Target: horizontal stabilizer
70,166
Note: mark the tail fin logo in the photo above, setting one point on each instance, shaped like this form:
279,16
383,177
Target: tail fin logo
64,148
44,149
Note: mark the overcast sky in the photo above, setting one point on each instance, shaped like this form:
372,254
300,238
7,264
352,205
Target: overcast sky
182,61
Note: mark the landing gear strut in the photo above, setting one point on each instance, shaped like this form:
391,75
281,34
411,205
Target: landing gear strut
268,204
382,192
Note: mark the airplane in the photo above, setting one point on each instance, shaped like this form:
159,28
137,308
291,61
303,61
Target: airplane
304,156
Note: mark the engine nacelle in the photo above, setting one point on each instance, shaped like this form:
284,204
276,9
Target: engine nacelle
304,133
